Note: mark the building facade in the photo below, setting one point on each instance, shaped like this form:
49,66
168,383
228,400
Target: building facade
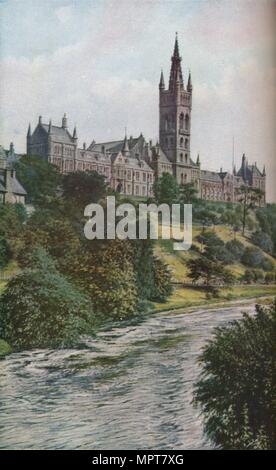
131,165
11,190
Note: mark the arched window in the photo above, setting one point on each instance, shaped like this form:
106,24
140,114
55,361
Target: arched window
185,178
186,143
181,121
182,178
166,122
187,119
181,157
186,158
181,142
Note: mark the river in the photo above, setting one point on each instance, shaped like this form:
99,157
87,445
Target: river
129,388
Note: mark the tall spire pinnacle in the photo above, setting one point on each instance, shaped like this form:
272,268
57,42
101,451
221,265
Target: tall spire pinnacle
189,84
198,160
176,78
75,133
264,171
50,127
125,149
162,82
29,130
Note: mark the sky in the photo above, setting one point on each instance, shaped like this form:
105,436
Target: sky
100,60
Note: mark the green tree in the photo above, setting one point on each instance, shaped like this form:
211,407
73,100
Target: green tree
236,389
166,189
40,178
210,273
248,197
188,193
83,188
40,308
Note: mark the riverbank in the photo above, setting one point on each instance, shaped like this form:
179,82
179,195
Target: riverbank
189,298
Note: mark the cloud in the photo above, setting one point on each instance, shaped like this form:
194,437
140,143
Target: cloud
100,63
65,14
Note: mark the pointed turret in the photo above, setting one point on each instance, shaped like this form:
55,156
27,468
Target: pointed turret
29,130
234,170
264,171
176,79
198,160
40,120
162,82
75,133
125,149
50,127
189,84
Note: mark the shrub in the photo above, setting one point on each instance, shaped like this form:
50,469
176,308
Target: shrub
40,308
162,281
236,388
270,277
252,257
236,248
263,240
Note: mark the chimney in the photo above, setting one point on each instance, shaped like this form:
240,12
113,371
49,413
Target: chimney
9,175
64,121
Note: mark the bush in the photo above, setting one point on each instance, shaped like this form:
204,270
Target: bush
236,248
267,264
162,281
40,308
236,388
5,252
263,240
270,277
252,257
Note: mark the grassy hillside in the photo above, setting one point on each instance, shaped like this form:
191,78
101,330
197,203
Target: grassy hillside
177,259
187,296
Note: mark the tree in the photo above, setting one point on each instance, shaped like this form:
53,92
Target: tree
40,308
254,258
188,193
236,248
83,188
206,217
166,189
40,178
209,273
248,197
263,240
236,389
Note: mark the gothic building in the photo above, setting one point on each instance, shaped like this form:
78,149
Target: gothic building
131,165
11,190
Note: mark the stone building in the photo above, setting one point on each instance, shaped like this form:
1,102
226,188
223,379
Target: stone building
11,190
131,165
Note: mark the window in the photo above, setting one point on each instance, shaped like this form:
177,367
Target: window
186,158
186,143
187,119
137,190
166,123
181,121
181,142
181,157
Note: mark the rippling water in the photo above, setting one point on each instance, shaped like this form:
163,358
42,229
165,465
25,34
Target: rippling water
130,388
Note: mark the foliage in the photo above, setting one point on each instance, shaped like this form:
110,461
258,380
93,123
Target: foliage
39,178
236,387
40,308
5,252
162,281
254,258
263,240
210,273
188,193
206,217
166,189
236,248
84,187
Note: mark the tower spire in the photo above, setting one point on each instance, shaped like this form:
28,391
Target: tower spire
176,78
125,149
162,82
29,130
189,84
